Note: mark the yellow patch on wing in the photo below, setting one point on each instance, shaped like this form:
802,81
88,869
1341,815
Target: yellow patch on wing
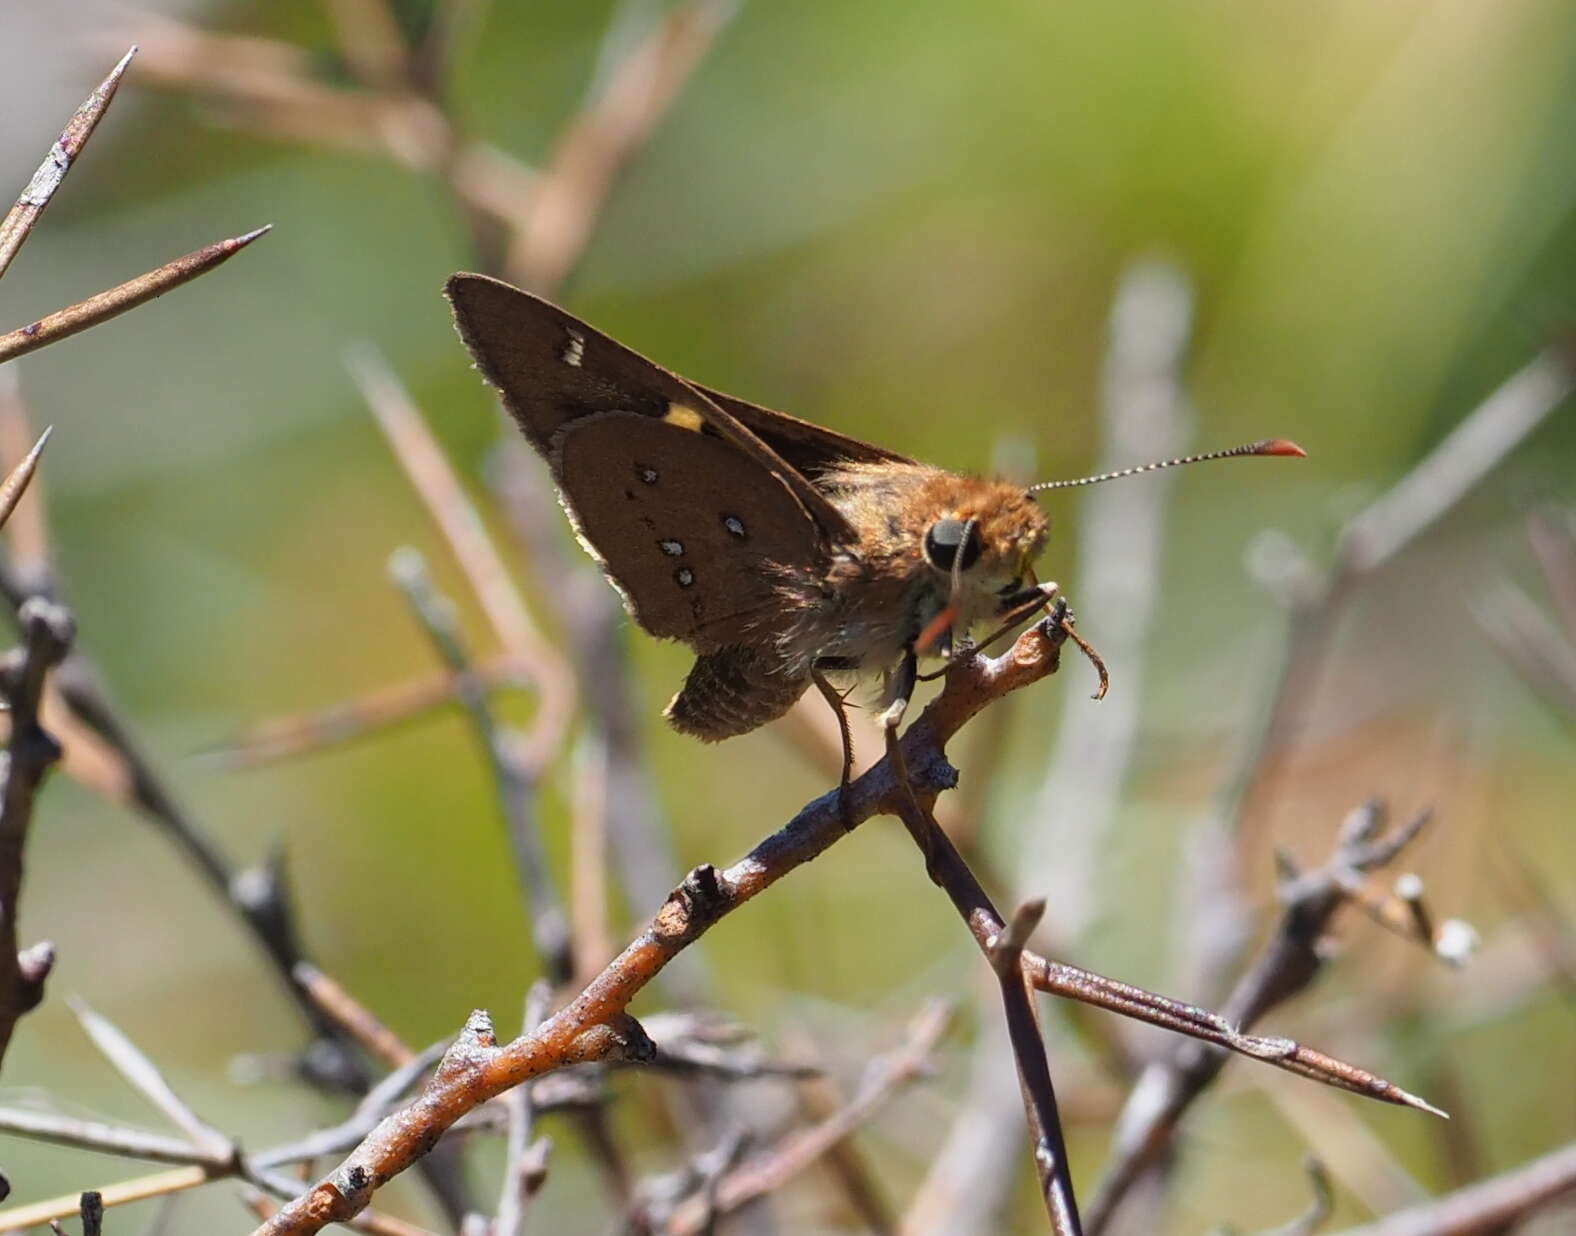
684,418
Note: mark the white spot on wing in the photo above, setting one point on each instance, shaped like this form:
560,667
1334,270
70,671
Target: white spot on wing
672,548
648,475
733,524
575,350
685,576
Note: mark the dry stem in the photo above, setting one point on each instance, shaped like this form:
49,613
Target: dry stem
1491,1206
118,300
19,220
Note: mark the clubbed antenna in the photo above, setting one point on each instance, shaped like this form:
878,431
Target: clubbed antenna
1270,446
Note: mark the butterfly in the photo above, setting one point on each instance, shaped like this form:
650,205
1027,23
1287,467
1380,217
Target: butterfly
779,551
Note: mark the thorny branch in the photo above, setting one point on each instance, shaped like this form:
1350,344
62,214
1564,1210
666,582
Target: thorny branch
596,1025
684,1046
1144,414
1003,945
1218,931
1288,963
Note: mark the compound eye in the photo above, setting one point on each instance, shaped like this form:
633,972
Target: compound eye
952,540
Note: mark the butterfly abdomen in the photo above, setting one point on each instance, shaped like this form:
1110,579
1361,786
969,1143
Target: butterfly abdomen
732,691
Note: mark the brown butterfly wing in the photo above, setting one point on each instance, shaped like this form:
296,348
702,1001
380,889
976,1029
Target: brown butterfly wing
693,518
552,369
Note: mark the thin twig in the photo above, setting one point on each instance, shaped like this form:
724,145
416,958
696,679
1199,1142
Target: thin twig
19,220
1071,983
850,1168
514,777
107,1138
525,1160
599,143
144,1076
1002,945
770,1169
27,537
210,1156
1374,538
259,896
284,738
1497,1204
1286,966
117,300
1047,1140
1552,535
47,632
433,478
15,485
353,1017
69,1205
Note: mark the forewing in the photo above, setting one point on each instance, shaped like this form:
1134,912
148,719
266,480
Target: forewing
690,514
553,369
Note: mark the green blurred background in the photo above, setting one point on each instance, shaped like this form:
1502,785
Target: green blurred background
906,221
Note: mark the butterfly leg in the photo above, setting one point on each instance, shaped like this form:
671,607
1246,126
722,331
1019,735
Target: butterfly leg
839,702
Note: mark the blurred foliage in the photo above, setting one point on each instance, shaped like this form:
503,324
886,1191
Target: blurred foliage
904,220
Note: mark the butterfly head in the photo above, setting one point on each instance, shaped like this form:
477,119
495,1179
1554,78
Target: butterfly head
980,544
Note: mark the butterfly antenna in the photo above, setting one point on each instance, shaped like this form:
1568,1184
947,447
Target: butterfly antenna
1270,446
